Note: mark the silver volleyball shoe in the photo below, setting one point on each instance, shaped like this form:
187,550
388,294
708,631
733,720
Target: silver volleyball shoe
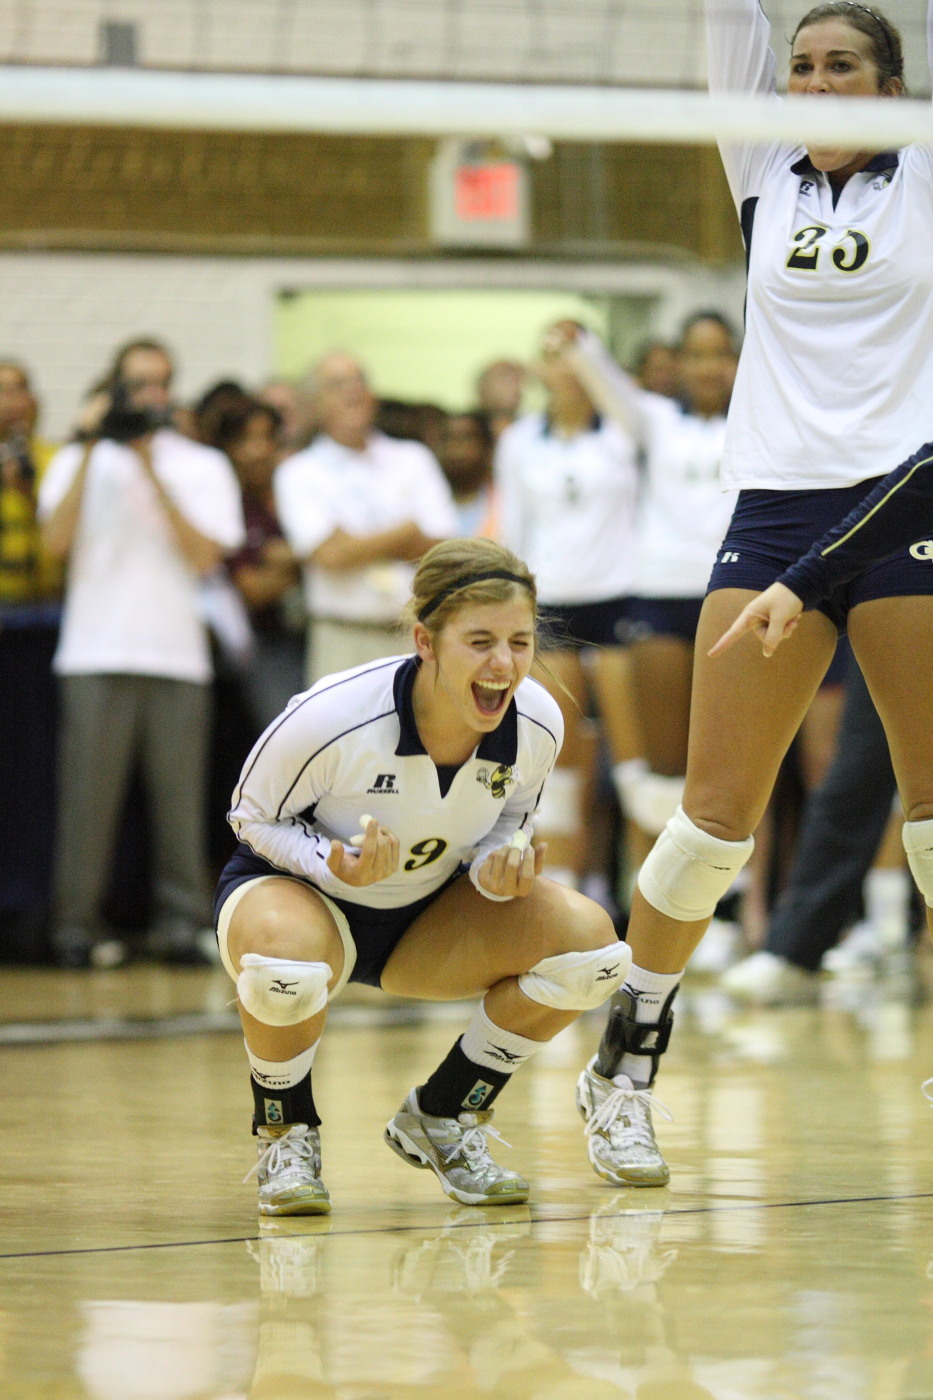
289,1171
457,1151
619,1131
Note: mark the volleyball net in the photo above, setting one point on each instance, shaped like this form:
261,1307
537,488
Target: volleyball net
565,70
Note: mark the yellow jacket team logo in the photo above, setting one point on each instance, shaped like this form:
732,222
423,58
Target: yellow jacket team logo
498,780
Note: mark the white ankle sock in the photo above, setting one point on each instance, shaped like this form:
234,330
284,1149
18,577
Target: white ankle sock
281,1074
650,990
488,1045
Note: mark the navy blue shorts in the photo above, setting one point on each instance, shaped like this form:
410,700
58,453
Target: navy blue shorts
664,617
374,931
770,530
573,626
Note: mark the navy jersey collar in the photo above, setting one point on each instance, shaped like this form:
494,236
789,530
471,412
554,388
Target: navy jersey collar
887,160
501,746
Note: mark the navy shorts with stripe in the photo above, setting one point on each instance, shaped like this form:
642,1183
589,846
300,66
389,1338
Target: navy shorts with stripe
374,931
770,530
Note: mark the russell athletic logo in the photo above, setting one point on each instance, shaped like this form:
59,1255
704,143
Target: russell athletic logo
730,557
384,784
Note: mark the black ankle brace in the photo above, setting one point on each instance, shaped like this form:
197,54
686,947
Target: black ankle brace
275,1108
624,1035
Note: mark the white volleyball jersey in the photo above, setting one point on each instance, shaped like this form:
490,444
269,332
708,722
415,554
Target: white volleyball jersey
683,512
567,507
350,746
835,379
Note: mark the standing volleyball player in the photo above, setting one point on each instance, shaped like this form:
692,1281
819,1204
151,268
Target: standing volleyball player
567,482
682,516
441,759
834,387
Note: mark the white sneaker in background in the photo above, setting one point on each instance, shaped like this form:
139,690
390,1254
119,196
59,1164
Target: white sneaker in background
767,980
720,947
862,947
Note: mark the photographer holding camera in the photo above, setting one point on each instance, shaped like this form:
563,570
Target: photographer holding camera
140,513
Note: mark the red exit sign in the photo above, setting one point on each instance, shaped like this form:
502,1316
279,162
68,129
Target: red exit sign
488,193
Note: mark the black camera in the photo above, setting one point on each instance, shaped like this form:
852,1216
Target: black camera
125,423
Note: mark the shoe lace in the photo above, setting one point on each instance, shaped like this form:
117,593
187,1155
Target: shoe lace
293,1147
637,1130
474,1146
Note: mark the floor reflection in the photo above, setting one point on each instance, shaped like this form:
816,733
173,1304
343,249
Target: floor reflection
734,1303
791,1258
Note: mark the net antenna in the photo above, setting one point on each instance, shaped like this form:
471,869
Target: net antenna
416,107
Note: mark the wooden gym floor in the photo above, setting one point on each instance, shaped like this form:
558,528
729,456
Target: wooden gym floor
790,1259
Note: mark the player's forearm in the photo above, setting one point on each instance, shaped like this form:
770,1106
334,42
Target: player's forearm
738,47
895,514
613,391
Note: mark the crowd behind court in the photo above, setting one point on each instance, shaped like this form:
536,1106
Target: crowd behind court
174,573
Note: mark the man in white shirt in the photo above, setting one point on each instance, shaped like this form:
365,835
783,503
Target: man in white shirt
139,513
358,508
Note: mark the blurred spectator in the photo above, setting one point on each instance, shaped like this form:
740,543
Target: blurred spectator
30,586
265,570
210,407
292,403
411,422
465,455
358,507
139,512
27,573
655,368
499,390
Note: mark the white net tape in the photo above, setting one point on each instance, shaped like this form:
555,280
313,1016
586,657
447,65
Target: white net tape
246,102
567,69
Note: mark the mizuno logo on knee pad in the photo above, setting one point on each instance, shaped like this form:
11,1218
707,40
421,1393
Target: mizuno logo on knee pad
279,992
577,981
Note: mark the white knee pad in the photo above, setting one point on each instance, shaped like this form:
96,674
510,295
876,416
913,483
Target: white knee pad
918,843
578,981
279,992
648,799
558,811
688,871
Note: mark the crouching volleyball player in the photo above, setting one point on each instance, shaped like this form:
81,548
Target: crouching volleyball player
357,813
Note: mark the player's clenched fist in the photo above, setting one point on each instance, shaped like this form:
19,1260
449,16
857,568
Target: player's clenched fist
376,858
511,870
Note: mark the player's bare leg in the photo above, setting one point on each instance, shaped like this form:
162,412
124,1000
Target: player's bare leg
893,643
540,960
744,715
284,946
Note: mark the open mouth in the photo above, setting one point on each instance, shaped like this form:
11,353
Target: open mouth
490,696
